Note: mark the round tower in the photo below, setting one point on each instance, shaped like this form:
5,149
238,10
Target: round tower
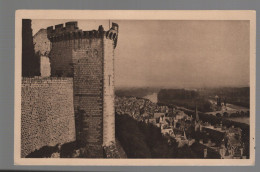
109,44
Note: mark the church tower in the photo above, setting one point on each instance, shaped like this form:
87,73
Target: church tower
197,120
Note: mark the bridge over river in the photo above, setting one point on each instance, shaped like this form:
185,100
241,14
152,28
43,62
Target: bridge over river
229,112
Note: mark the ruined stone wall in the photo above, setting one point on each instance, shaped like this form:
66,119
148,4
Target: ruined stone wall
42,44
45,66
47,113
42,47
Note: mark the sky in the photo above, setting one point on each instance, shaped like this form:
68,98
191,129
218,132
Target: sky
176,53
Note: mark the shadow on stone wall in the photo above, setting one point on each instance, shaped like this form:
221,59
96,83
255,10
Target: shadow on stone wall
30,62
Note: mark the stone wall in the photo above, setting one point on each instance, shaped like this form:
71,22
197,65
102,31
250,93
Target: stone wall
47,115
88,92
45,66
61,58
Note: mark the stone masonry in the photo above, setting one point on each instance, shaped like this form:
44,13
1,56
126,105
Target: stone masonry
47,113
88,57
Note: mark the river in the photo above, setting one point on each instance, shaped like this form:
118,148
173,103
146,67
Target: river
245,120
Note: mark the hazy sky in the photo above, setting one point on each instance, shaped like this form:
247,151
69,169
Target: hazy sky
176,53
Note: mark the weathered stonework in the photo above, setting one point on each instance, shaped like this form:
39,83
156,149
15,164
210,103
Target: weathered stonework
47,115
42,47
88,57
108,94
42,44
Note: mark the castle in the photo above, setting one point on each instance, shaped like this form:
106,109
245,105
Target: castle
84,61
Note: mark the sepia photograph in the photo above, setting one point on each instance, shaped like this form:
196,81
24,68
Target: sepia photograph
134,87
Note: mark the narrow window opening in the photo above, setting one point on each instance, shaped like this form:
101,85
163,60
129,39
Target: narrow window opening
109,79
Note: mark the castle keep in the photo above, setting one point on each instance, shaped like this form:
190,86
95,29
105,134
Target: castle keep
87,57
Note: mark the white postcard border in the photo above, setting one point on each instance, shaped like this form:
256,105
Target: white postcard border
132,15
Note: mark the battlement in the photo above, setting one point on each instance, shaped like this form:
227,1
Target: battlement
41,80
71,32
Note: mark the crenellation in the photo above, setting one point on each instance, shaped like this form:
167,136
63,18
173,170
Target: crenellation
57,36
71,31
70,26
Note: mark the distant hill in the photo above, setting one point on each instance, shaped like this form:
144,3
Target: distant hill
200,97
239,96
185,98
189,97
135,92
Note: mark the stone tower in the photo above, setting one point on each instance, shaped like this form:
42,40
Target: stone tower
88,57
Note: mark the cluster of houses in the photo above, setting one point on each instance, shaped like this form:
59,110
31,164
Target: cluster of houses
224,141
138,108
227,141
174,124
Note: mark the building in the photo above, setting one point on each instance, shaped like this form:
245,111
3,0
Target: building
85,61
158,115
180,115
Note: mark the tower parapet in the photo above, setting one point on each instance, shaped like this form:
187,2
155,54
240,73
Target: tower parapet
113,33
71,31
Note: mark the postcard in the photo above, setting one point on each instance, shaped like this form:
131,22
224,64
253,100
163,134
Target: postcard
135,88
